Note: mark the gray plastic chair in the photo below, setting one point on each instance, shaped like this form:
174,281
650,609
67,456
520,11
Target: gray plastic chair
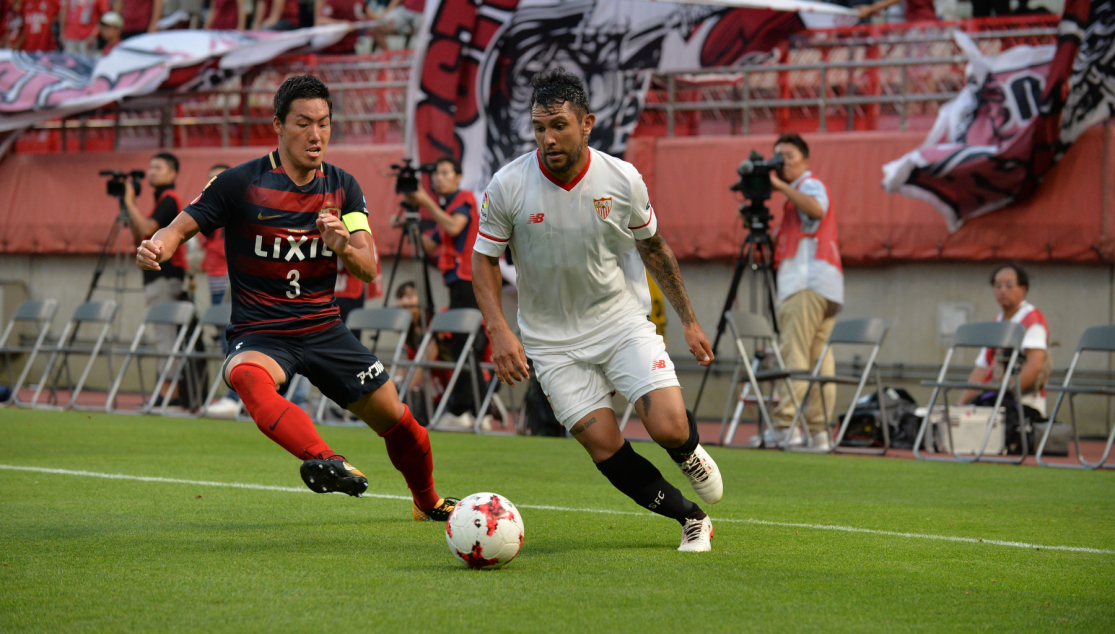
39,312
854,332
1096,339
980,334
466,321
396,320
217,316
101,312
162,314
755,327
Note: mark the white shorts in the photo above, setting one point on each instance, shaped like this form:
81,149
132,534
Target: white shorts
633,362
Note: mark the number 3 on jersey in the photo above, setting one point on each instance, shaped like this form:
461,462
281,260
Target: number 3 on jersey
293,276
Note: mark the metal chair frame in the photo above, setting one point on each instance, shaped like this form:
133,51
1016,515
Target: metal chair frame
39,311
103,312
1095,339
857,332
161,314
989,334
755,327
465,321
217,315
396,320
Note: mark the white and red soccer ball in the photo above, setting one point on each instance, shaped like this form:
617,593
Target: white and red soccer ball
484,531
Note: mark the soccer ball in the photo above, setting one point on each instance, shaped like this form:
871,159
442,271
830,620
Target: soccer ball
484,531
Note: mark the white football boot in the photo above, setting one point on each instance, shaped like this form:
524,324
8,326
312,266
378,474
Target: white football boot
696,536
703,474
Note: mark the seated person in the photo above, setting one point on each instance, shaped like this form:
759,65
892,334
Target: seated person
1012,283
334,11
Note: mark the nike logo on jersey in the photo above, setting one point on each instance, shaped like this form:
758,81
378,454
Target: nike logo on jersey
536,218
263,217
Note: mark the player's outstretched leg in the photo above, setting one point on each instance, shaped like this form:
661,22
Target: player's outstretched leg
285,423
661,411
408,447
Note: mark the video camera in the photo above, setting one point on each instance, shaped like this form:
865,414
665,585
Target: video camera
406,175
115,184
754,176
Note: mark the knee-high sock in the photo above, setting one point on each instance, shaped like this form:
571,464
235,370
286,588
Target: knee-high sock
641,481
282,421
681,454
408,446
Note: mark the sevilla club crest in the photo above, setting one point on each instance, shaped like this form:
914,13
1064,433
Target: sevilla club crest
603,206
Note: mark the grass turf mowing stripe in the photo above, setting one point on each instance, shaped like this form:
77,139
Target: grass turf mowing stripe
821,527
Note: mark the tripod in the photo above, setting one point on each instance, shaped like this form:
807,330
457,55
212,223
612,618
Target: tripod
412,232
756,254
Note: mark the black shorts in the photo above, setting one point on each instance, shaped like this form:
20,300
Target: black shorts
333,360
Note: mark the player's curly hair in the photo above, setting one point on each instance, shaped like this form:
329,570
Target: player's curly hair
556,86
300,87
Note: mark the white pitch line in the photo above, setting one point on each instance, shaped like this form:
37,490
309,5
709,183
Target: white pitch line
821,527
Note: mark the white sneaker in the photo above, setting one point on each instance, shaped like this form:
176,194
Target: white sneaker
696,536
223,407
464,421
769,438
703,474
820,441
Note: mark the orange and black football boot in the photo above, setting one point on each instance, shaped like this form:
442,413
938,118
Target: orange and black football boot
334,475
439,513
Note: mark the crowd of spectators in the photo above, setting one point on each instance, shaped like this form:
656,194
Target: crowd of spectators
93,27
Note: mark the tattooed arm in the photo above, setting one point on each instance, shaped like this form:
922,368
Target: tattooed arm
662,264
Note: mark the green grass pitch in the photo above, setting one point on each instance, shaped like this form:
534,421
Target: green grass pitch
90,554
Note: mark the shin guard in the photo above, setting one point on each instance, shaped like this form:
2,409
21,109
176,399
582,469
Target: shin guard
641,481
408,446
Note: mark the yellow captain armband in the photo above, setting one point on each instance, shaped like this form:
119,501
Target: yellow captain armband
356,221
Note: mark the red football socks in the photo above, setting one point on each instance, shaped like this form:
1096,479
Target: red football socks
282,421
408,446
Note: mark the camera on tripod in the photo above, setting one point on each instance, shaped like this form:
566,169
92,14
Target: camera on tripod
115,184
754,176
406,175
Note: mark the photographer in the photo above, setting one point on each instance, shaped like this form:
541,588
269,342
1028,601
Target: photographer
810,286
452,241
164,285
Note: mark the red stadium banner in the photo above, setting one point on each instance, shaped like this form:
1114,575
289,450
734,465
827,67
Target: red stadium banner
36,87
470,93
1018,114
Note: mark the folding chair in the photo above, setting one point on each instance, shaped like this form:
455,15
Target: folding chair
162,314
746,325
39,312
855,332
218,316
101,312
1096,339
396,320
465,321
990,334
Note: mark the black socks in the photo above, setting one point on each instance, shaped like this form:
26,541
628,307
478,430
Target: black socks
679,454
641,481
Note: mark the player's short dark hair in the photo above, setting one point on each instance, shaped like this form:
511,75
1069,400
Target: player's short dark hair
794,139
1023,276
556,86
220,166
169,158
300,87
403,288
452,161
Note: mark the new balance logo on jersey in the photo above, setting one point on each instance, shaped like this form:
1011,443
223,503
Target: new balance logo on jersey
658,365
372,372
537,218
293,248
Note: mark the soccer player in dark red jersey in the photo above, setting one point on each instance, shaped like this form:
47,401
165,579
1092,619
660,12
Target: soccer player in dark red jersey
287,217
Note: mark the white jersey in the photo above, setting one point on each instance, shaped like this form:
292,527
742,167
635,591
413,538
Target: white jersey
580,276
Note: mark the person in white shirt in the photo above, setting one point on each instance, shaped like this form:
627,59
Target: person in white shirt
581,227
1011,284
810,290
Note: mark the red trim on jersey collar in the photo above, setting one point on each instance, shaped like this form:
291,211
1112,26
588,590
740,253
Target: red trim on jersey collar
277,164
554,179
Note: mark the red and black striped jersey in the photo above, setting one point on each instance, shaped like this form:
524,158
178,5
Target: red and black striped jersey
281,274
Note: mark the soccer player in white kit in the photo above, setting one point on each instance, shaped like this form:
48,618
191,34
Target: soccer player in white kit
581,228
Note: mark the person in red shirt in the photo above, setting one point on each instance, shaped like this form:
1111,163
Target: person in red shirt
227,15
38,16
110,29
79,25
12,26
140,16
277,15
333,11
